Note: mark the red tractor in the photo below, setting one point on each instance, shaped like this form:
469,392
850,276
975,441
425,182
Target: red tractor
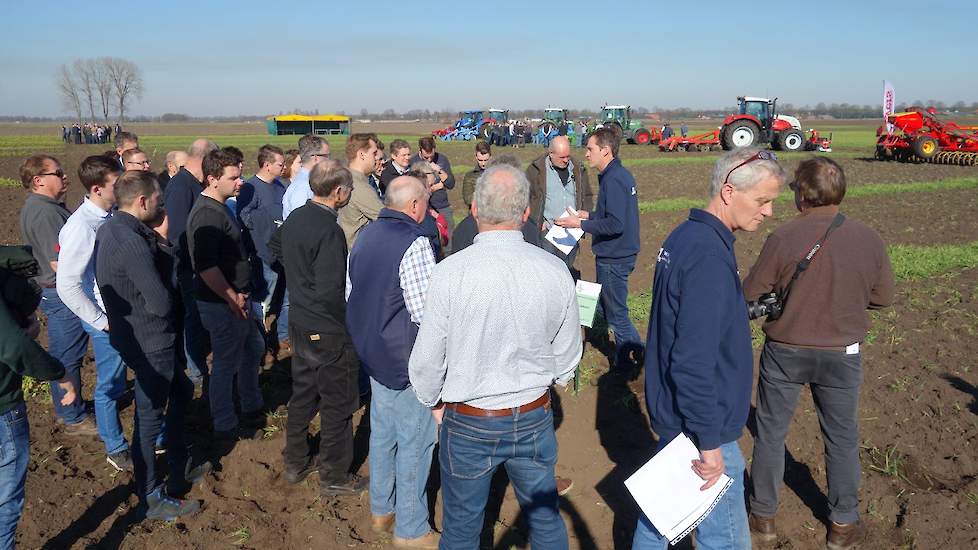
924,137
758,122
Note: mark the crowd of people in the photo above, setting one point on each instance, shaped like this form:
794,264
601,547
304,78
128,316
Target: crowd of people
89,133
455,335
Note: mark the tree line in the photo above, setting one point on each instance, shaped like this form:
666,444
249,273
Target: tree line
101,85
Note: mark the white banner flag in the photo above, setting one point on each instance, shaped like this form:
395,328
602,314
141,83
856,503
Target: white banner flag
889,101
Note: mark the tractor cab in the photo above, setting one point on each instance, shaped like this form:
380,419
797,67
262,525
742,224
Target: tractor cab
471,119
498,116
616,113
557,116
758,107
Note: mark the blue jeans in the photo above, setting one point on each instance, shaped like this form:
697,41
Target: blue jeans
472,448
194,335
613,278
162,389
15,453
238,349
67,342
110,385
725,527
402,439
270,295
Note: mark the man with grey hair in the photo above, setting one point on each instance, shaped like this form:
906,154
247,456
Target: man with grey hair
174,162
312,150
500,327
387,282
699,368
180,195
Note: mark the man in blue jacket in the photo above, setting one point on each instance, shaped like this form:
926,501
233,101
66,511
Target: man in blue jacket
700,370
614,224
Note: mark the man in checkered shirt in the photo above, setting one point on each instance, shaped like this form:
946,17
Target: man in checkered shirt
389,267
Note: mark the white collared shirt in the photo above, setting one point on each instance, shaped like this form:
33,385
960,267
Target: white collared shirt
76,264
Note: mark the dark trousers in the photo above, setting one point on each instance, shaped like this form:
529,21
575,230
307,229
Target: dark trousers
324,380
162,389
834,378
613,306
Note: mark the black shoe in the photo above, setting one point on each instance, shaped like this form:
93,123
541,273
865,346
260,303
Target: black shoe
297,476
353,486
159,506
121,461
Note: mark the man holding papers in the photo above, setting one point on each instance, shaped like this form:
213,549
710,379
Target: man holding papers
699,367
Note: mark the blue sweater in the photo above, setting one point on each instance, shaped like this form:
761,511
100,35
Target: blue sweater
614,222
699,364
260,211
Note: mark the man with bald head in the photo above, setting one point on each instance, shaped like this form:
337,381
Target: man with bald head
500,327
174,162
180,196
389,266
558,182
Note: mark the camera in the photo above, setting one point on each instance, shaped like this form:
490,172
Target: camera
769,305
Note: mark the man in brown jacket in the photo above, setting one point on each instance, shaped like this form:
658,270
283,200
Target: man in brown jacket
816,341
558,182
364,205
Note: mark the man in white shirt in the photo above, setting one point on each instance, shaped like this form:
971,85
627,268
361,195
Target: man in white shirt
312,150
77,289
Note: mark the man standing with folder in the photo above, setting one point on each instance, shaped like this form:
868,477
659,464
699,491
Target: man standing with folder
699,366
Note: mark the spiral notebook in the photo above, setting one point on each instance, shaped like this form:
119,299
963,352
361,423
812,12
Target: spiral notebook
668,490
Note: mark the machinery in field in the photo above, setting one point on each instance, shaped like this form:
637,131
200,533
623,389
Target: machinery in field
711,141
471,124
495,120
757,122
619,117
552,118
924,137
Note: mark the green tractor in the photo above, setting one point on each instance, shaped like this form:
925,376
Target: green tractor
553,118
619,118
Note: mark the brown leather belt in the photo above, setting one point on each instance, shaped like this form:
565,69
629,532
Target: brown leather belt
468,410
822,348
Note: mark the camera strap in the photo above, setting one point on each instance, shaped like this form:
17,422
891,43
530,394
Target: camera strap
807,260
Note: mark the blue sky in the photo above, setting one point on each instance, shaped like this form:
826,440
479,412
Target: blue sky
224,58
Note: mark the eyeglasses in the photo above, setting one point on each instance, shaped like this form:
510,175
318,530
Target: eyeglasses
139,162
760,155
325,155
60,173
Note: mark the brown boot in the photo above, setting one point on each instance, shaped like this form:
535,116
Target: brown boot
843,536
382,524
85,427
762,528
428,540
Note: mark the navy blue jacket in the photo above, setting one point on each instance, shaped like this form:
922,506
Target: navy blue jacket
181,194
614,221
439,198
260,211
699,364
376,316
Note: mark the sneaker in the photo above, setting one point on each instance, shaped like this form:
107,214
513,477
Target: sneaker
843,536
353,486
121,461
427,540
564,485
762,528
85,427
298,476
159,506
382,524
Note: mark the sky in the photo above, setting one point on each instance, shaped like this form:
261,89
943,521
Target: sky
216,57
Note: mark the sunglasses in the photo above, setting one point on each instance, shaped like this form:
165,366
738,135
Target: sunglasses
760,155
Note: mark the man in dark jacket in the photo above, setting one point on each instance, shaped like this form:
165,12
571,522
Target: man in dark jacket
614,225
483,153
312,248
20,356
134,273
558,182
444,181
388,282
398,165
699,369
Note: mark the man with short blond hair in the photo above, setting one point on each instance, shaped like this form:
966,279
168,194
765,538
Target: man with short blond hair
135,159
312,150
398,165
364,205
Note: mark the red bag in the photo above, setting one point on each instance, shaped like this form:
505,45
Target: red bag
442,224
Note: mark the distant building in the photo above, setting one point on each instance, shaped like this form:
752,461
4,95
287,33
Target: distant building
302,124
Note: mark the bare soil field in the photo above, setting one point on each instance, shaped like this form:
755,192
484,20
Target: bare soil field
919,408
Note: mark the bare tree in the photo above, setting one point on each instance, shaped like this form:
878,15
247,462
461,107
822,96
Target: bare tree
85,75
103,84
126,80
68,88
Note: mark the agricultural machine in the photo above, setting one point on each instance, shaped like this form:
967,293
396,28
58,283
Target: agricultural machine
924,137
758,122
472,125
619,117
710,141
553,118
497,118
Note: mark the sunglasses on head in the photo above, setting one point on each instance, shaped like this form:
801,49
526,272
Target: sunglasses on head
760,155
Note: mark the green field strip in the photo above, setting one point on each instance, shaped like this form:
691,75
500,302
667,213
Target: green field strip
871,189
8,182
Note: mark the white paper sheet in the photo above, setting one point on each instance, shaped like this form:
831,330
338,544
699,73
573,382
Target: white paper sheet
564,239
668,490
588,294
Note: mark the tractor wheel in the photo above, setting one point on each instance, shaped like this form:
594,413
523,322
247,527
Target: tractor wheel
925,147
642,136
791,140
742,133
